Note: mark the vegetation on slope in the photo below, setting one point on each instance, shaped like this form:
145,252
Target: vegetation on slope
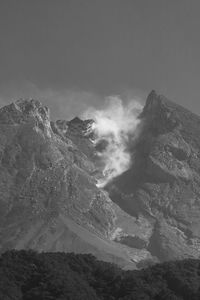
29,275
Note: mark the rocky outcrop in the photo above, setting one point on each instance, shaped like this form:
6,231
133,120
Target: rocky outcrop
48,195
49,200
163,185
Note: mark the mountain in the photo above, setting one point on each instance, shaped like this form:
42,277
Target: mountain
49,200
163,185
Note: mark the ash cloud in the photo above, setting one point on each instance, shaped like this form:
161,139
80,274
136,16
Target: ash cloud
114,125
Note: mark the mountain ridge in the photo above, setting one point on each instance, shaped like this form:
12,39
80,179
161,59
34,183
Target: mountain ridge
50,202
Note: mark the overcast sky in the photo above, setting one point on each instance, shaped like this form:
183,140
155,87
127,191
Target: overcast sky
73,53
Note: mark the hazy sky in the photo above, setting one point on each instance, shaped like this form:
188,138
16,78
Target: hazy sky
75,52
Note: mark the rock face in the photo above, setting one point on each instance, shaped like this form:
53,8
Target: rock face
48,195
163,185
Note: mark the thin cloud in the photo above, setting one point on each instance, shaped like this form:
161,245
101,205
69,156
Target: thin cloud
63,103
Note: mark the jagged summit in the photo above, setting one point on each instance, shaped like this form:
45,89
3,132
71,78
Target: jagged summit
49,200
161,113
76,120
163,183
22,110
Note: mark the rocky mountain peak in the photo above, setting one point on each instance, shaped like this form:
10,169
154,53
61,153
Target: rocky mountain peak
163,183
160,113
23,110
49,200
79,126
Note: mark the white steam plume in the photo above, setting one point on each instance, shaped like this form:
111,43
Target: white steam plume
114,126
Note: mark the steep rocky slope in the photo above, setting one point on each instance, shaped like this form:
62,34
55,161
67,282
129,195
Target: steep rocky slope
48,195
49,200
163,185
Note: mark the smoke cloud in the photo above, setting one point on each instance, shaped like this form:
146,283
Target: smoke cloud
113,127
115,121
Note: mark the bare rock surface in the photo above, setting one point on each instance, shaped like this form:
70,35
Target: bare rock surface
163,185
49,200
48,196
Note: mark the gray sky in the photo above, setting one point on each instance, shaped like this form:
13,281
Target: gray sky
74,52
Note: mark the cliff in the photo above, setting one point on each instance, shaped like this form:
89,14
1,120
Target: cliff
49,200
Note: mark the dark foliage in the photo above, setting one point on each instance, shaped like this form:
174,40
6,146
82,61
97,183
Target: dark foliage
27,275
